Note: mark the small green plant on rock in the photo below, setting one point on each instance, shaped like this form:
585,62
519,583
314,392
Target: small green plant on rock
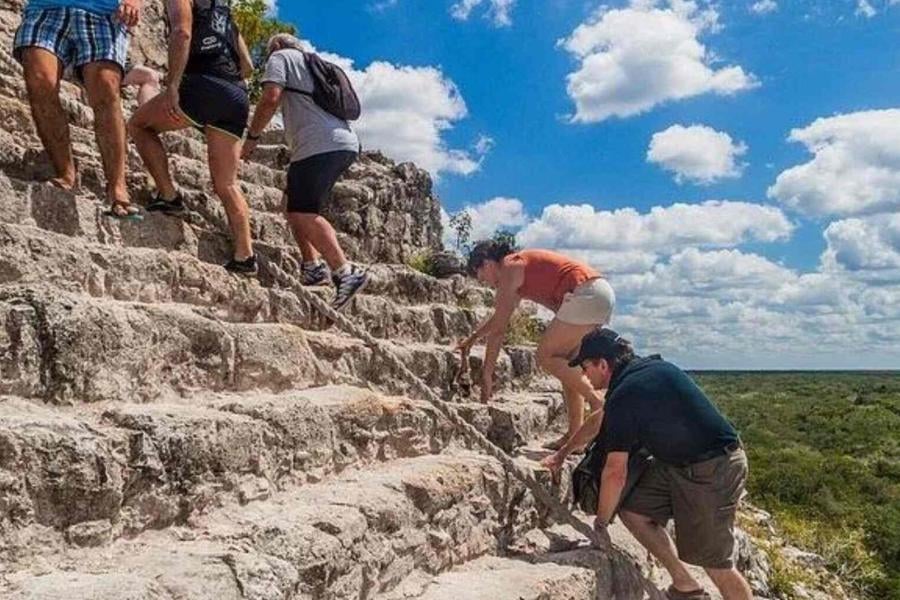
422,262
524,329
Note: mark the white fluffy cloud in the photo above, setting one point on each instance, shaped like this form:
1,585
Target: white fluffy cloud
498,11
865,9
488,217
663,230
697,153
865,248
764,7
405,113
733,309
855,169
634,58
685,287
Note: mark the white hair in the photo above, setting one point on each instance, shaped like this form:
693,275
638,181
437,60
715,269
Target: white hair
282,41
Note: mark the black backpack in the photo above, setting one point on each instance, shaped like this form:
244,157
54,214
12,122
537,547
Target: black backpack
332,90
586,476
213,40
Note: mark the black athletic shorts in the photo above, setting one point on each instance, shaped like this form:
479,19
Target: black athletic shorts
209,101
310,180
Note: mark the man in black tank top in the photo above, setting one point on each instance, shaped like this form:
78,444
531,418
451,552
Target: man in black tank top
205,89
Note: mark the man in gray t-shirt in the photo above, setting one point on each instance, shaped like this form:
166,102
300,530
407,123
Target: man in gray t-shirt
322,148
309,129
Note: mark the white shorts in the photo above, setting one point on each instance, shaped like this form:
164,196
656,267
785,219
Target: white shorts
591,303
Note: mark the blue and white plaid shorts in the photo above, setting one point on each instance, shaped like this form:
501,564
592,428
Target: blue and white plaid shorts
77,36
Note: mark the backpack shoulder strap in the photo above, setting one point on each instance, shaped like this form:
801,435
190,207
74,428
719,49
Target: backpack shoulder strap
288,88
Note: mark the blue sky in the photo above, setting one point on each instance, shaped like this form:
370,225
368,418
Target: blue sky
737,78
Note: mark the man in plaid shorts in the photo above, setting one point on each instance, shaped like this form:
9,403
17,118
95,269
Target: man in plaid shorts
92,37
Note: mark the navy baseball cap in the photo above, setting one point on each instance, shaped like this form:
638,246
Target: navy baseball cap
600,343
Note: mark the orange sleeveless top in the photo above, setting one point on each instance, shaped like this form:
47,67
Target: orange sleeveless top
550,276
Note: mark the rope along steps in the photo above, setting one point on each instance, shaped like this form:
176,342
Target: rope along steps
557,509
526,477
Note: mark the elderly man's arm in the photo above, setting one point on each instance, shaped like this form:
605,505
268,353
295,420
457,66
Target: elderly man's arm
265,109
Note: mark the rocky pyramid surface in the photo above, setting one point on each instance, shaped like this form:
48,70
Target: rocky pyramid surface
171,431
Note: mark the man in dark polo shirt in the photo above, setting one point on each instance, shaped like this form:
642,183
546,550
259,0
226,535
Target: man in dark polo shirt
697,473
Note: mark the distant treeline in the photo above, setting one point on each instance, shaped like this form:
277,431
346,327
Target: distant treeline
824,451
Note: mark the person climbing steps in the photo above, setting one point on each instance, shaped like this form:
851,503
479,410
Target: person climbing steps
205,88
323,147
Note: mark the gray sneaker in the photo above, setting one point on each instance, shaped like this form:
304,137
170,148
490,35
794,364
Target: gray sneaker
348,286
315,275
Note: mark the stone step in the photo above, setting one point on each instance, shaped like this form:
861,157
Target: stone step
81,216
359,535
493,578
125,468
382,211
71,348
265,168
67,348
29,255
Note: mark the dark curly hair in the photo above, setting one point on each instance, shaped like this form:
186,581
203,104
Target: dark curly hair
622,354
485,250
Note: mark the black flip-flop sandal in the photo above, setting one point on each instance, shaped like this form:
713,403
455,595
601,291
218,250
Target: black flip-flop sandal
124,211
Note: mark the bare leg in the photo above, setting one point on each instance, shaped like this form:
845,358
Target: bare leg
321,236
656,540
224,152
42,75
102,81
307,250
147,82
731,584
558,343
145,125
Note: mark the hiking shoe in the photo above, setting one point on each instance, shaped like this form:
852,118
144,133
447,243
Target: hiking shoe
348,285
167,207
314,275
242,267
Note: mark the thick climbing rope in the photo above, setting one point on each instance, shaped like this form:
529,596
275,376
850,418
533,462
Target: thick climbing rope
556,508
526,477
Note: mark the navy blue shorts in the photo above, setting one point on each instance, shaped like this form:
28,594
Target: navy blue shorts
209,101
310,181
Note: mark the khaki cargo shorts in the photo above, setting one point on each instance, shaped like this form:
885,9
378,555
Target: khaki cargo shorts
702,498
591,303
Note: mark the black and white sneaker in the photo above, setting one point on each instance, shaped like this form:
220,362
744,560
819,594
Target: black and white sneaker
313,275
348,285
167,207
242,267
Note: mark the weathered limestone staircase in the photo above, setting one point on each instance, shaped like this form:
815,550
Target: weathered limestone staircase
168,430
171,431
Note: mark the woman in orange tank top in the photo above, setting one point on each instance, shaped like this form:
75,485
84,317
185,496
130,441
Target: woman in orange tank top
580,298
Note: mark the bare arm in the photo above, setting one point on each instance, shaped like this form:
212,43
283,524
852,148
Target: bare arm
180,23
244,56
612,482
265,109
511,279
588,431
